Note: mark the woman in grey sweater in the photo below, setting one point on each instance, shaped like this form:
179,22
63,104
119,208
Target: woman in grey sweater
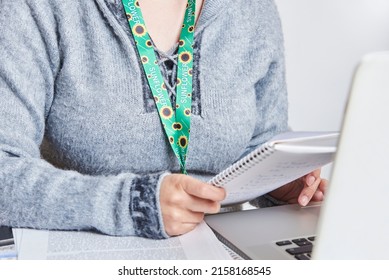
82,145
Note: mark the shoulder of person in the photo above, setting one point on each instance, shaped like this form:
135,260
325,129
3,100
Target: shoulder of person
253,14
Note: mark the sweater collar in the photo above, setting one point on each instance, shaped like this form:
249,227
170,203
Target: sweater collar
210,9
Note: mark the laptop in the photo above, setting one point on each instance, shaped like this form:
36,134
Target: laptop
353,220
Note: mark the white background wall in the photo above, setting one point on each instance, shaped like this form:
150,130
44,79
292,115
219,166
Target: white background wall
324,40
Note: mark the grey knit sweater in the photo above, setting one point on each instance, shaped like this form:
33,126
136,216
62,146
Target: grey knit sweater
81,144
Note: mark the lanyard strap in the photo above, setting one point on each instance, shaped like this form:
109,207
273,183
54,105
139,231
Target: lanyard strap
176,123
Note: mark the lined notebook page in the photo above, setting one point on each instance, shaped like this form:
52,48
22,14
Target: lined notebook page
277,162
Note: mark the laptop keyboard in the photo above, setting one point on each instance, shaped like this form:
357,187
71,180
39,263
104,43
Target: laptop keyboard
299,248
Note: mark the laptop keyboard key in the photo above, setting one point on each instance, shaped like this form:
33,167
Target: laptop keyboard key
303,243
300,250
297,240
301,257
283,243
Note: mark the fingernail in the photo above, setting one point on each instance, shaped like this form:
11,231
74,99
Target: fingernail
310,180
304,200
320,195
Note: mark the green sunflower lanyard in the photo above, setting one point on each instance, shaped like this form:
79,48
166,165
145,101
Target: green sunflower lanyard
176,124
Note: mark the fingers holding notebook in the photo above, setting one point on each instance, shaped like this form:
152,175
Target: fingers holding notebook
184,201
314,188
310,187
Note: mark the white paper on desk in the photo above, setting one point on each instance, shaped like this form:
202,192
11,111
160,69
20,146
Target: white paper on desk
198,244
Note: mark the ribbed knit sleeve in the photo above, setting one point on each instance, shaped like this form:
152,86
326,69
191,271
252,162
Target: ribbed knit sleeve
34,193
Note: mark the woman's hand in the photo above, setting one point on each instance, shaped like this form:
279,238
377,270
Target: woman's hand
184,201
310,187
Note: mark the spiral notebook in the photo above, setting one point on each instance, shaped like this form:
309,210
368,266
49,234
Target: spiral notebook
284,158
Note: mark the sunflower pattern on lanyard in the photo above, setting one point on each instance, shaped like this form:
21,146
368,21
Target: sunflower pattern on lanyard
176,123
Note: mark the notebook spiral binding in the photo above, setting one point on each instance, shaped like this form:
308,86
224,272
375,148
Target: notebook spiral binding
242,165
